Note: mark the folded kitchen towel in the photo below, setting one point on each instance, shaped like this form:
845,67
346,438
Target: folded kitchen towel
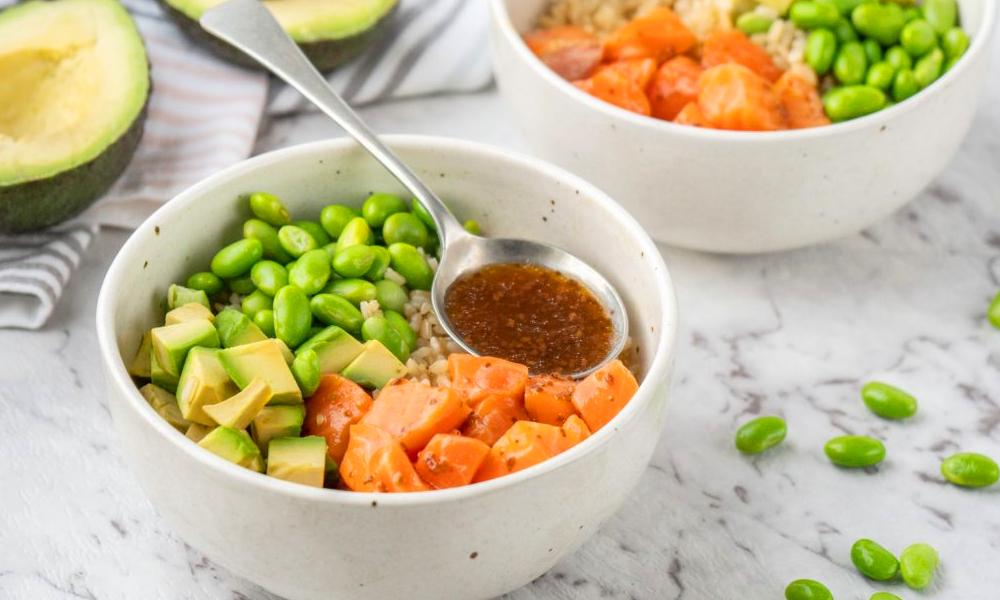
204,115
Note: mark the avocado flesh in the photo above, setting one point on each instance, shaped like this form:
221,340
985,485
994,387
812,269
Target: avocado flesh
178,295
328,32
164,403
72,106
236,329
375,367
171,343
160,377
189,312
334,347
141,366
235,446
298,459
266,360
203,382
277,421
239,410
197,432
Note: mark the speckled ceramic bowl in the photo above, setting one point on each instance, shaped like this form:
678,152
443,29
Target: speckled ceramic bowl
473,542
741,192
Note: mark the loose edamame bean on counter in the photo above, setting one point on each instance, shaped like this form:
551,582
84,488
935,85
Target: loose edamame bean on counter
917,564
760,434
854,451
969,469
884,596
888,402
807,589
993,314
874,561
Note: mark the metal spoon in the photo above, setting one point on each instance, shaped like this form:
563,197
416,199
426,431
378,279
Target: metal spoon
249,26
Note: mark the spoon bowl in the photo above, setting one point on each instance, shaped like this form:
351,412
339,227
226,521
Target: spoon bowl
250,27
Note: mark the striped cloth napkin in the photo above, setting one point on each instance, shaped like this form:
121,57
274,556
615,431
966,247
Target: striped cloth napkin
204,115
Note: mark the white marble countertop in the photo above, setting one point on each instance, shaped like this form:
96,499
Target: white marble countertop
795,334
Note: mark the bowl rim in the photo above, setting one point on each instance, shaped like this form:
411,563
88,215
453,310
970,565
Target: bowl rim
657,375
980,43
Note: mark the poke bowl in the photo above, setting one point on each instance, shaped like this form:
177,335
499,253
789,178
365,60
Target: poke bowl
712,189
305,541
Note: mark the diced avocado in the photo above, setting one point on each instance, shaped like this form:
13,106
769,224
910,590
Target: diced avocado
375,367
178,295
192,311
140,366
197,432
277,421
298,459
332,474
203,382
164,403
236,329
235,446
239,410
171,343
334,347
780,6
159,376
74,83
265,360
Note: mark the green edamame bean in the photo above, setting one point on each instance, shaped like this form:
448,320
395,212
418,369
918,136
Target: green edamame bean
236,259
355,233
929,68
306,371
354,261
390,295
898,58
851,64
241,285
941,14
378,207
911,13
264,320
807,589
405,228
873,51
904,85
334,217
378,328
888,402
292,316
760,434
210,283
331,309
268,237
354,291
851,102
918,38
255,302
884,596
821,49
402,327
954,43
881,22
269,277
949,63
270,209
874,561
472,227
844,31
808,14
315,230
916,564
409,263
854,451
752,22
969,469
993,314
881,75
424,216
311,272
845,6
296,241
381,262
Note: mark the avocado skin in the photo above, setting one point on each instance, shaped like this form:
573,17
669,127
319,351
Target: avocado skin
41,203
325,55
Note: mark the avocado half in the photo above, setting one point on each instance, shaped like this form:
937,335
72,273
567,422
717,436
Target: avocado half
74,83
330,32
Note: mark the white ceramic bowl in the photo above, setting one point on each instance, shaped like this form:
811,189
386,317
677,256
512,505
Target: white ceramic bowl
473,542
742,192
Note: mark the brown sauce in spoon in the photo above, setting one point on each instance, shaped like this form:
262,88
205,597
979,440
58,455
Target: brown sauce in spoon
531,315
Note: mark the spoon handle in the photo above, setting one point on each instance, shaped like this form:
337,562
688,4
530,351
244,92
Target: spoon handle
250,27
